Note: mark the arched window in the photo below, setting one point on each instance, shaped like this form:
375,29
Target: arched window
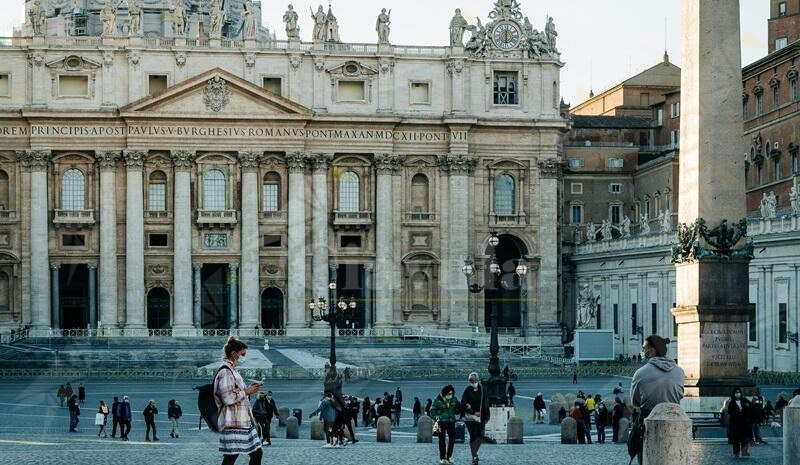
4,191
214,190
504,195
419,193
272,192
349,192
73,190
157,192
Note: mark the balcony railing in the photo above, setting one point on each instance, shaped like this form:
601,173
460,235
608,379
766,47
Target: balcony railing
508,220
217,218
8,215
355,220
158,214
420,217
274,216
73,218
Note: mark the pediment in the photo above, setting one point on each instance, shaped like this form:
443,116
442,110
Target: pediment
352,69
216,93
73,63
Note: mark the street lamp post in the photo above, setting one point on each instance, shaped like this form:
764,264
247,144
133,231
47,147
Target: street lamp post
329,310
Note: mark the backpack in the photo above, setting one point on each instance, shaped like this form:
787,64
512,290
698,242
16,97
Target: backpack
206,403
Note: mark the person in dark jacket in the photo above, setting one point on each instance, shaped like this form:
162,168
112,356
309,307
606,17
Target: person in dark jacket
68,391
354,407
115,417
428,405
769,411
263,412
475,409
740,427
416,410
758,418
124,414
82,393
366,411
174,413
61,394
577,414
150,413
445,409
74,413
601,417
539,407
618,414
512,391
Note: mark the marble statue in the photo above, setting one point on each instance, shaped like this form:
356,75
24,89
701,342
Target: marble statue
794,200
577,236
591,232
605,230
551,34
458,25
135,18
477,41
179,19
319,24
587,306
109,16
666,221
382,26
645,224
769,205
292,28
331,27
217,19
38,18
249,27
626,227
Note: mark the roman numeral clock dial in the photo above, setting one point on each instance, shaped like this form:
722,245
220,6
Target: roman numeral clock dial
506,36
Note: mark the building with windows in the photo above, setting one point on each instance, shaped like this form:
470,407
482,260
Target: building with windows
184,183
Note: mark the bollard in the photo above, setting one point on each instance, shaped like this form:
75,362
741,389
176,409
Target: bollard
384,429
667,436
283,414
292,428
425,429
552,412
569,399
791,428
317,429
558,398
515,430
624,430
569,431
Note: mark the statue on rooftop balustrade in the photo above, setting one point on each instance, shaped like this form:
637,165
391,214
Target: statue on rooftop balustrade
38,18
217,19
249,28
109,16
134,18
382,26
292,28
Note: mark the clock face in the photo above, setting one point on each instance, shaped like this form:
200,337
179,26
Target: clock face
506,36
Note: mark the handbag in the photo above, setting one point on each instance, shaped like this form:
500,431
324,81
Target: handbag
437,429
99,419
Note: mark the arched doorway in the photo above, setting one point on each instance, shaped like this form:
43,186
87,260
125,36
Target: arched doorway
272,308
508,297
158,309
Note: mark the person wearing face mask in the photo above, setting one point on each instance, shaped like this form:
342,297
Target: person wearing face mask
475,408
445,410
237,430
740,423
659,380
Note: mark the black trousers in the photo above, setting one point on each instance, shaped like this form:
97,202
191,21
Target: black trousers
615,430
151,424
264,423
601,433
124,428
448,429
115,421
255,458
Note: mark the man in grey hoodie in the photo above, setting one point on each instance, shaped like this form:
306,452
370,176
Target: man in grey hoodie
659,380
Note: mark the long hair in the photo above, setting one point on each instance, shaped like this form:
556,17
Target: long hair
233,345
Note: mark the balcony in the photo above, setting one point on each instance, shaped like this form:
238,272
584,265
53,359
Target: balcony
158,216
74,219
420,217
352,220
508,220
217,218
273,216
8,216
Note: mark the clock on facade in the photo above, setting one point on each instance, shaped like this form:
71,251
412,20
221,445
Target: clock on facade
506,35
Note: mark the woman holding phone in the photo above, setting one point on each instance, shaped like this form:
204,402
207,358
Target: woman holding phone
238,433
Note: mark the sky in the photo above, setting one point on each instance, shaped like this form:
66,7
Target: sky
602,42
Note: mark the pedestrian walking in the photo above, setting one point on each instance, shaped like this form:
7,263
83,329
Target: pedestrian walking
416,410
574,377
174,413
601,418
74,413
327,413
475,409
61,394
237,433
103,421
397,408
758,418
740,428
577,414
659,380
82,393
428,405
264,411
617,415
512,391
539,408
114,417
366,411
445,410
769,411
68,391
124,414
354,407
150,412
618,390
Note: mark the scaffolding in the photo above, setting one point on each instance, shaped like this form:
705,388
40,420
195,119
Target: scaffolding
76,22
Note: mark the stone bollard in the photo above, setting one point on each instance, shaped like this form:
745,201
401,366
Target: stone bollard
283,414
667,436
624,430
569,431
292,428
569,399
791,429
558,398
384,429
515,431
425,429
317,429
552,412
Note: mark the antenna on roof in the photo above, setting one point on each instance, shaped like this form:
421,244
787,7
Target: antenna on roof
666,29
591,79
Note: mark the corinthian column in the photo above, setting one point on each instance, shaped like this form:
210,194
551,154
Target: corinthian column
107,162
461,168
182,160
319,247
296,298
384,241
134,240
250,302
548,328
38,161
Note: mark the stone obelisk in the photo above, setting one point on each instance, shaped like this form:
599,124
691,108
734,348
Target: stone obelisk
713,253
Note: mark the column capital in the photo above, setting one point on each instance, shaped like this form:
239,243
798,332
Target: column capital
250,160
134,159
550,168
182,159
55,266
296,162
233,266
107,159
458,164
388,163
36,160
197,266
320,162
92,266
369,267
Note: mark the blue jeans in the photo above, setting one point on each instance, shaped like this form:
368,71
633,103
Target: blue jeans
73,420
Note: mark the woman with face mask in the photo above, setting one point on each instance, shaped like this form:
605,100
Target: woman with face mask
740,429
475,408
445,410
